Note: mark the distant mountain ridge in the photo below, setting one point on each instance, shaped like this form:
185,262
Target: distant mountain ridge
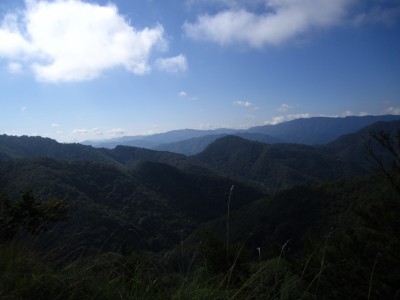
198,144
310,131
319,130
154,140
270,166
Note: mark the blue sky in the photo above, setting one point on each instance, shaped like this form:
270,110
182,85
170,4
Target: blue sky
76,70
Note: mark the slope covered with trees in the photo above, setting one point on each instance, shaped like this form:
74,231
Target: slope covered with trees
156,225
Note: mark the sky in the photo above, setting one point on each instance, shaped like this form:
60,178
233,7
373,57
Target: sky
76,70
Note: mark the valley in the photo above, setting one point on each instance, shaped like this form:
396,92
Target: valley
250,215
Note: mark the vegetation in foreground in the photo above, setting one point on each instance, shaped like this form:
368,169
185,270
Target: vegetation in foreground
354,257
332,240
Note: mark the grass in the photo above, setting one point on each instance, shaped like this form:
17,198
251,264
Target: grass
26,274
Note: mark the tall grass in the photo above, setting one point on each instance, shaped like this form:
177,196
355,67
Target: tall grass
27,274
227,225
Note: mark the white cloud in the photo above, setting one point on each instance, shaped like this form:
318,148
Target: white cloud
80,131
282,20
245,104
392,110
183,94
116,131
92,132
298,116
97,131
55,125
280,119
347,113
71,40
275,120
172,64
285,108
14,68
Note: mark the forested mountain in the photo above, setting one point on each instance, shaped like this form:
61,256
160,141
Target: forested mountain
319,130
350,146
334,231
274,166
196,145
155,200
268,166
316,130
152,141
164,225
24,146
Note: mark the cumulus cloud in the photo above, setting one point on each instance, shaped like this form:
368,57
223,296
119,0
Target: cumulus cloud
172,64
71,40
280,21
245,104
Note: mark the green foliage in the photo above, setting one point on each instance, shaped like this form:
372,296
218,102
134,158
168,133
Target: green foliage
29,214
327,240
275,167
26,274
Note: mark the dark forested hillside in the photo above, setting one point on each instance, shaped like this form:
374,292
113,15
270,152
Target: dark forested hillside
137,223
196,145
156,200
275,166
353,146
24,146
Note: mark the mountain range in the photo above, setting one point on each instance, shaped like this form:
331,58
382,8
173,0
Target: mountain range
245,204
160,194
310,131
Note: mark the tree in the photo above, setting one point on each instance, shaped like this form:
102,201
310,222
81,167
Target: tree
387,164
28,214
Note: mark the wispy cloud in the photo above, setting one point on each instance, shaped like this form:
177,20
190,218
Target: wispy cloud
55,125
14,68
384,12
185,95
285,108
245,104
116,131
280,119
174,64
182,94
392,110
75,40
81,131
